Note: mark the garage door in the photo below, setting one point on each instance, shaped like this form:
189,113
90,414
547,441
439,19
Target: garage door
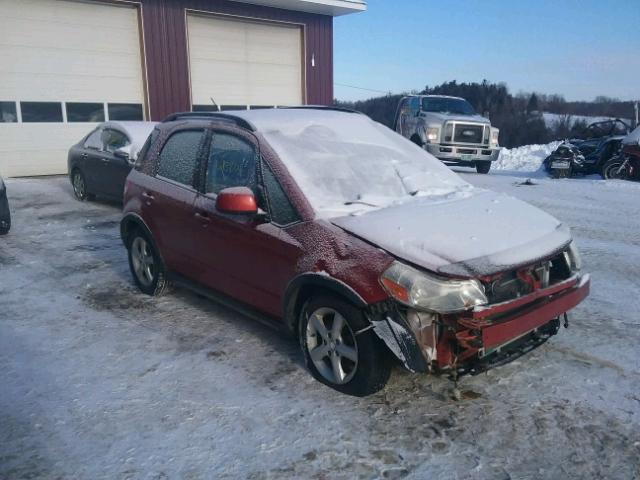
64,66
242,63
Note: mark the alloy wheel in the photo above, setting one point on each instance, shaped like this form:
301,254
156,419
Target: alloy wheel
332,345
143,261
79,187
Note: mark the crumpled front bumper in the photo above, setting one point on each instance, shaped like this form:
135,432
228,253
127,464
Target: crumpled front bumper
461,340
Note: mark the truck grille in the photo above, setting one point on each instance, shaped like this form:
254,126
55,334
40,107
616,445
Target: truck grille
468,133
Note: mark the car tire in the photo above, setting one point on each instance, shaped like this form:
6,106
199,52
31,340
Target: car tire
611,170
342,355
483,167
79,185
145,264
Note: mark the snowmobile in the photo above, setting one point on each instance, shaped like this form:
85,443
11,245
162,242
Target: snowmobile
564,160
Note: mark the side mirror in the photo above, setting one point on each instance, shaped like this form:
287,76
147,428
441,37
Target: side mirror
237,200
123,154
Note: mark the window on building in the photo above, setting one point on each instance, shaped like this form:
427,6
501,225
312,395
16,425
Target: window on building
280,208
179,156
232,107
125,111
38,112
232,163
85,112
8,113
204,108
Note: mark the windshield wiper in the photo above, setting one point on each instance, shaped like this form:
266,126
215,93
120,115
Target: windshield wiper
360,202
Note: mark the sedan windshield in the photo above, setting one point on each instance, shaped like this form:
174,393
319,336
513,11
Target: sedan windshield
457,106
347,163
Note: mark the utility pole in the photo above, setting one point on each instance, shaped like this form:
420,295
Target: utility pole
636,109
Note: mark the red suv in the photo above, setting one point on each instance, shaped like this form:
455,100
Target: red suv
351,237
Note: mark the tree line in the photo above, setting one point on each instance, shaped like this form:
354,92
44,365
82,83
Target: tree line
517,116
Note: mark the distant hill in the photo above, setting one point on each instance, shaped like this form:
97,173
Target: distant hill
516,116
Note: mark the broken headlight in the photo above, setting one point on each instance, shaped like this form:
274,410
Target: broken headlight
428,292
573,257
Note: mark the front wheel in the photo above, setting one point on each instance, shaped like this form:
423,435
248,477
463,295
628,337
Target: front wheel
337,352
483,167
145,265
615,169
80,186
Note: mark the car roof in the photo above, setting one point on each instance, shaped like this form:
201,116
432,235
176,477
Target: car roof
438,96
264,118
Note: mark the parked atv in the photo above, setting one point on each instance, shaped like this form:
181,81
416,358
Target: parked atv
625,165
562,162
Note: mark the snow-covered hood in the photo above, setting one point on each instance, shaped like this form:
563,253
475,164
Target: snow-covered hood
480,234
442,117
633,138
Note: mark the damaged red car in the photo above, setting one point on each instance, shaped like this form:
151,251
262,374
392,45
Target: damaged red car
350,237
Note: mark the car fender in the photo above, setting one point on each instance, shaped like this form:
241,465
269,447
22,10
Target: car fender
125,228
390,327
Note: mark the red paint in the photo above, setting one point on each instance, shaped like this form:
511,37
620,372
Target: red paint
238,200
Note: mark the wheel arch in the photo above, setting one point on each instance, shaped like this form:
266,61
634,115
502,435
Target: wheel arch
129,223
304,286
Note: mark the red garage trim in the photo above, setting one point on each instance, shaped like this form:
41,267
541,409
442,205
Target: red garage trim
167,58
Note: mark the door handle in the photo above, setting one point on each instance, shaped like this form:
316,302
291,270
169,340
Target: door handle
203,217
105,160
84,155
148,195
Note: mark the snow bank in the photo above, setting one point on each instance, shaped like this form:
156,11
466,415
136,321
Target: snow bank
528,158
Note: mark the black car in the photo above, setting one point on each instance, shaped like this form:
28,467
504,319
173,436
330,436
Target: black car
101,161
5,215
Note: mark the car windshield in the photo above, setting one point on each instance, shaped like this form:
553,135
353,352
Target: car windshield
346,163
447,105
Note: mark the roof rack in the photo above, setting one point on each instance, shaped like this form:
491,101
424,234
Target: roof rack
321,107
225,117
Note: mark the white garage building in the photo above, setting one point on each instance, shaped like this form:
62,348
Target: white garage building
66,64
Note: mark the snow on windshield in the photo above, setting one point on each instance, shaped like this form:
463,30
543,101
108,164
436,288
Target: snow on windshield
346,163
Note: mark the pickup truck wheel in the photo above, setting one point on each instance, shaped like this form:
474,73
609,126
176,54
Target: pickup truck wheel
145,265
357,365
483,167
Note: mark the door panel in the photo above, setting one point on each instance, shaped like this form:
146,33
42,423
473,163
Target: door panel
243,256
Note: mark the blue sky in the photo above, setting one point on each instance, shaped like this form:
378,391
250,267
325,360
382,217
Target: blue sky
580,49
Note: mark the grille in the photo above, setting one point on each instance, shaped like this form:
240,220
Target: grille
468,133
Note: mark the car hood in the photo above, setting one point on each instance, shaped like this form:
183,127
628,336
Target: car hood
442,117
477,234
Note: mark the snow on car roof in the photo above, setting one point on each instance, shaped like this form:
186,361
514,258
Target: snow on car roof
346,163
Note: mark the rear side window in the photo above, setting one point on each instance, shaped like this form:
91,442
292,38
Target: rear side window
280,208
142,156
94,140
179,156
232,163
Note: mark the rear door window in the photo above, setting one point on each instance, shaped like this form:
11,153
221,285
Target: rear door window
232,163
94,141
178,159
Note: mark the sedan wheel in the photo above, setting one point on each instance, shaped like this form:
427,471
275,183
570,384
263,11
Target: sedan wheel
79,185
332,346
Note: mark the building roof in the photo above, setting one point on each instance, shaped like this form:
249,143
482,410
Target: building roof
334,8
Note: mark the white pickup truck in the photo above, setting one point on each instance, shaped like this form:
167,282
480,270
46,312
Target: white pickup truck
449,129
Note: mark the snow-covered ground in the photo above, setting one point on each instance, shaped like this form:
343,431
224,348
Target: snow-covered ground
99,381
